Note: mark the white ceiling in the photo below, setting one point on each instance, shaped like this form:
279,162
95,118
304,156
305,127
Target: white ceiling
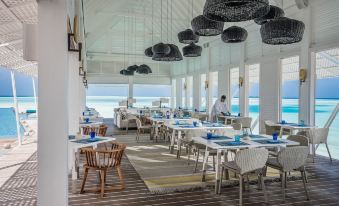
121,30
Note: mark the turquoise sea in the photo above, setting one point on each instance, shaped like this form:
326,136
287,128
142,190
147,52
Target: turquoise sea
105,105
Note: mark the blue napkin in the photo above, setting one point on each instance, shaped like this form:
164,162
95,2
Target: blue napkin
231,143
218,137
269,141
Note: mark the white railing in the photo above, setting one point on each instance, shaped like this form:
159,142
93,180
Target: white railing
332,117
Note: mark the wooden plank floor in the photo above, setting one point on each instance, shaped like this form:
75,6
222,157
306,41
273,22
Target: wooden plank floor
323,187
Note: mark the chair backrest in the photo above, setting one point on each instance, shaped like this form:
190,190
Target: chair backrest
302,140
251,159
237,126
98,158
270,128
291,158
102,130
244,121
189,134
138,121
318,135
86,130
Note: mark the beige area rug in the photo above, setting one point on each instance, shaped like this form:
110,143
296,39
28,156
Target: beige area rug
162,172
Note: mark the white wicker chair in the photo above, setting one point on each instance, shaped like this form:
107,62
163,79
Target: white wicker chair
247,161
319,136
245,123
290,159
141,128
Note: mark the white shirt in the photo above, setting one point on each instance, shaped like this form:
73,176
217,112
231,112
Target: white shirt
217,108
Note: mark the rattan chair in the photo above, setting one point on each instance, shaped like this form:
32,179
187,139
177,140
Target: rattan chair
290,159
101,130
245,123
103,160
271,128
319,136
141,129
246,162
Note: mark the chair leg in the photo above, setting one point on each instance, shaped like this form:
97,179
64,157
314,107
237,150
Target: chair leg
285,179
213,158
313,150
240,189
188,155
221,176
263,187
248,182
122,182
84,181
196,161
304,182
329,154
283,186
102,174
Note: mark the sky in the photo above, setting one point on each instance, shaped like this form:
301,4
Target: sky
326,88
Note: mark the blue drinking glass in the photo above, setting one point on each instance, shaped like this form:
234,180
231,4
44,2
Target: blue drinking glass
283,122
237,138
239,114
92,135
275,136
209,135
194,123
87,120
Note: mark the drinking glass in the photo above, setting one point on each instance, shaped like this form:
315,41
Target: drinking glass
237,138
92,135
275,136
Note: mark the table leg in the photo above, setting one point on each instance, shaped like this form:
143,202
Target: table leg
172,142
281,132
204,166
217,172
75,156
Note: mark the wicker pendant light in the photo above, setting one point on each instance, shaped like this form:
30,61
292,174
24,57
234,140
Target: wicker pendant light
204,27
144,69
282,30
235,10
174,55
148,52
192,50
126,72
234,34
275,12
132,68
187,37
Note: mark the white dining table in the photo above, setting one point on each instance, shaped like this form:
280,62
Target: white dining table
292,127
230,117
212,145
74,151
183,128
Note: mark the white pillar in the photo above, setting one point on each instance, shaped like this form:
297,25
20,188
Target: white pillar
73,94
34,93
130,89
243,73
53,104
196,91
179,92
16,107
307,61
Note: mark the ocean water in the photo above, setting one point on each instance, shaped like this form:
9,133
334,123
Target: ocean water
105,106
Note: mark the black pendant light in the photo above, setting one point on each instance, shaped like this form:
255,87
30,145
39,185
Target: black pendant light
205,27
234,34
187,37
144,69
235,10
275,12
174,55
192,50
282,31
132,68
161,49
148,52
126,72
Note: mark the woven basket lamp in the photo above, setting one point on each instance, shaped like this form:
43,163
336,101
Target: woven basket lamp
204,27
235,10
234,34
274,13
192,50
282,31
187,37
148,52
174,55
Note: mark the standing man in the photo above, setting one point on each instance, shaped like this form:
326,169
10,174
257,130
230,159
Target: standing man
219,108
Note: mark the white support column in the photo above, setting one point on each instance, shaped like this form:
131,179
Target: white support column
223,83
179,92
53,104
73,94
196,91
16,107
270,73
243,73
130,88
307,61
82,97
34,93
209,92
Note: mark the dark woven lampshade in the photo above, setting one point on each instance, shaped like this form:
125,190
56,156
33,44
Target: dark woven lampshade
132,68
282,31
126,72
161,49
148,52
275,12
235,10
187,37
144,69
192,50
174,55
204,27
234,34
